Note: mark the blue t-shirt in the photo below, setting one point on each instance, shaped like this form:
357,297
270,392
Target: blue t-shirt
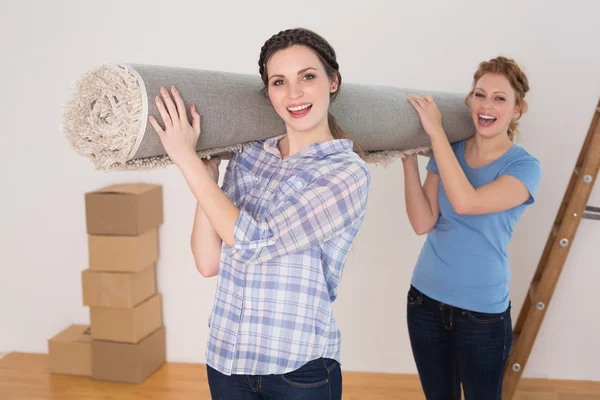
464,261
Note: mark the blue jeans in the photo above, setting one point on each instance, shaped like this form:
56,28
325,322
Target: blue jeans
320,379
452,346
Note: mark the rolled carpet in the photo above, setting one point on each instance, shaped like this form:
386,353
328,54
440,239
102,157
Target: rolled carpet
106,116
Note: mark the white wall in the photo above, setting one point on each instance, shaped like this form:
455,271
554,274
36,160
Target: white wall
47,45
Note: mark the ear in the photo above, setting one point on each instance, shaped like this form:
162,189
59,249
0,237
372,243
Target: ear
517,112
334,85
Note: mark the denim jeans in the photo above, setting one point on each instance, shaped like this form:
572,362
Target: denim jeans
452,346
320,379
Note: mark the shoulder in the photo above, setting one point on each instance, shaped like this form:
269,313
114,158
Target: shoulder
521,153
247,155
341,173
345,176
344,164
522,159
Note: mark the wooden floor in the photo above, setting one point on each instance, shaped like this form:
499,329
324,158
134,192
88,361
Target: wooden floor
25,376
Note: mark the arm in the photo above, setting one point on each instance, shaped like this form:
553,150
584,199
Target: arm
179,140
217,207
421,200
206,245
503,193
314,214
205,241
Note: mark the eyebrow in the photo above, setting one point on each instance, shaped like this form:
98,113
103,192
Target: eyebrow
299,73
482,90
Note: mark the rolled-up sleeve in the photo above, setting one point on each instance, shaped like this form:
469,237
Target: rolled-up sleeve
323,209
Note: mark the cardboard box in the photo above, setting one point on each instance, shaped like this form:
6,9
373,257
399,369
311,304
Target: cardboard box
127,324
124,209
129,362
70,351
117,289
122,253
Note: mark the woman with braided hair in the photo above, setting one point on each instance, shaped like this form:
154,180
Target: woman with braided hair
475,191
279,230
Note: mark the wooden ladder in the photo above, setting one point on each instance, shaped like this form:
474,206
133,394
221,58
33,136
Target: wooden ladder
560,240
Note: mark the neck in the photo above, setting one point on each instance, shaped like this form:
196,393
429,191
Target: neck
489,147
295,141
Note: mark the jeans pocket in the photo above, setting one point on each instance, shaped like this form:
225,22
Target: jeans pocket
330,364
311,375
484,318
414,297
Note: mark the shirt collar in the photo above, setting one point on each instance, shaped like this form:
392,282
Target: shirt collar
321,149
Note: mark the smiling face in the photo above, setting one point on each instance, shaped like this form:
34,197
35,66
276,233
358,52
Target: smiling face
299,88
493,105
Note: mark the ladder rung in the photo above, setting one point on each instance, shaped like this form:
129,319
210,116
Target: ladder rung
593,213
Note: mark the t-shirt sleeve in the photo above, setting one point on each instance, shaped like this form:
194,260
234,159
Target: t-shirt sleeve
528,170
432,165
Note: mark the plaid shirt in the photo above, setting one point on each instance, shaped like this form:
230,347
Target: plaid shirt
276,285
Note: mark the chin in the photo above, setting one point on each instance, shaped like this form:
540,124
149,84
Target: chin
302,126
488,134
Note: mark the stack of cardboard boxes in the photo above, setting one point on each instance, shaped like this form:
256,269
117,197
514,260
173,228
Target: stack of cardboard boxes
125,341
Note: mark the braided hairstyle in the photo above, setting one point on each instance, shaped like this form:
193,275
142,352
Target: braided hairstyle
517,79
325,53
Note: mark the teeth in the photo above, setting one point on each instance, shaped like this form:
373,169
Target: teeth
487,117
299,108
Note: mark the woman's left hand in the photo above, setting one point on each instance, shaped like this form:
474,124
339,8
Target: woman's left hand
179,137
430,116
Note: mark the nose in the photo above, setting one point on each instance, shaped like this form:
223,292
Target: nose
487,102
295,91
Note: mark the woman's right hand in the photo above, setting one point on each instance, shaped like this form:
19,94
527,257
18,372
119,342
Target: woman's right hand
212,165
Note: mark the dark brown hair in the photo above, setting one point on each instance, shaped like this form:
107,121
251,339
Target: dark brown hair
517,79
326,54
